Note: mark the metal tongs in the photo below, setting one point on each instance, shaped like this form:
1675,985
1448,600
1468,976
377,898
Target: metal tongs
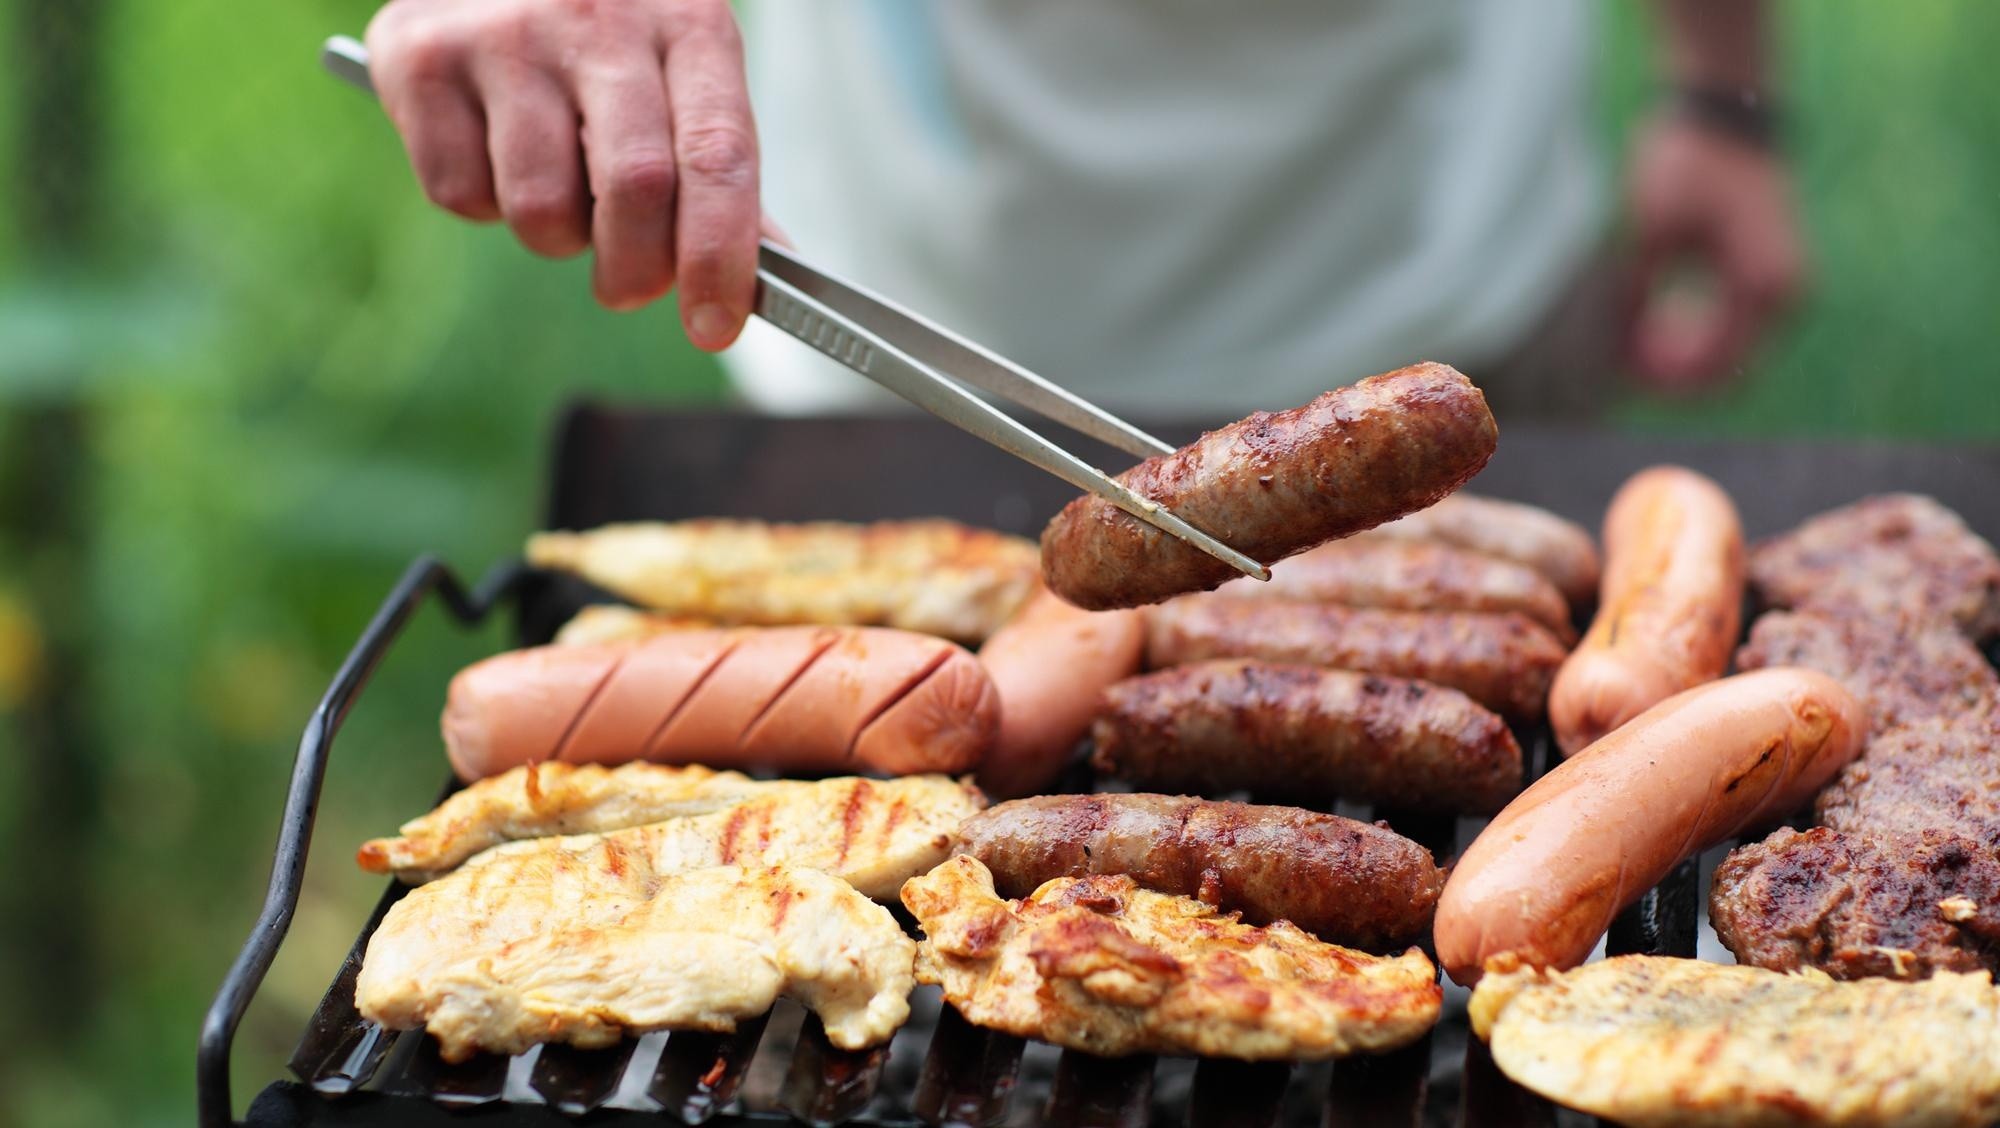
929,365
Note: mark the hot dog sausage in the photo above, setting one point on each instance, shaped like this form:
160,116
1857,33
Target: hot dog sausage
1545,877
1049,664
1308,736
1411,575
806,699
1670,610
1504,662
1346,881
1560,550
1275,484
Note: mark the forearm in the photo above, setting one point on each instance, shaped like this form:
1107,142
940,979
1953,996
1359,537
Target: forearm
1715,44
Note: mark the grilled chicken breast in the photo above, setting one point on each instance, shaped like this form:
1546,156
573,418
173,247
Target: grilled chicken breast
1647,1040
874,834
1097,964
937,577
615,622
877,831
551,946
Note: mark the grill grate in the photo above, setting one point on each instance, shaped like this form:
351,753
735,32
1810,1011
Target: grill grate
621,465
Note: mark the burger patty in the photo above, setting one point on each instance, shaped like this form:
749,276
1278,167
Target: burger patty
1902,670
1932,775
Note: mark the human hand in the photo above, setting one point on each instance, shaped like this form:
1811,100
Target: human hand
1701,197
622,125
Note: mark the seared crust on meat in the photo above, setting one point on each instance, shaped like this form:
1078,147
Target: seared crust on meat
937,577
1412,575
1098,964
1559,549
1888,556
1307,735
1275,484
1901,670
1892,903
1504,662
1652,1040
1930,775
1344,881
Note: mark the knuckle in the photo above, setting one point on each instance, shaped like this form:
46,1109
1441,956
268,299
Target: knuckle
707,18
541,207
718,152
641,179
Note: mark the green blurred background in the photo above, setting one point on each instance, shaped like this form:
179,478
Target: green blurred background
246,374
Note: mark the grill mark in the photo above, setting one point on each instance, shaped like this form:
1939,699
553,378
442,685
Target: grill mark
743,738
850,816
590,702
694,687
891,700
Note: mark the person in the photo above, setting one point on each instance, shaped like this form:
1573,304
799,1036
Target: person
1175,207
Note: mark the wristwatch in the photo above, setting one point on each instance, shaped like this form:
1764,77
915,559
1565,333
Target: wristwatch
1749,116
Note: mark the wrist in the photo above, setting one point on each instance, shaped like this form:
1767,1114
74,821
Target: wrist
1745,114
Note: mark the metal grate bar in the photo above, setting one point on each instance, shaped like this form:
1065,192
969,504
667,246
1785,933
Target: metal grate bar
482,1079
969,1073
339,1051
699,1074
1238,1094
826,1084
1102,1091
1380,1091
1489,1100
577,1081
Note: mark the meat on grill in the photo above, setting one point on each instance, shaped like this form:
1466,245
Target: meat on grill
1902,670
1504,662
1931,775
1346,882
1098,964
1559,549
1886,556
1896,903
1395,574
1305,735
1275,484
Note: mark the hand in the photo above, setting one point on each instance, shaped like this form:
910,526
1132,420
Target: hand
1700,195
622,125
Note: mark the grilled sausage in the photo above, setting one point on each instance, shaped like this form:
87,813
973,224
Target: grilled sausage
1309,736
1275,484
1560,550
1347,882
1504,662
1049,664
1545,877
1671,606
804,699
1410,575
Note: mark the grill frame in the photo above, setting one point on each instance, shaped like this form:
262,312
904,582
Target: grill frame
621,465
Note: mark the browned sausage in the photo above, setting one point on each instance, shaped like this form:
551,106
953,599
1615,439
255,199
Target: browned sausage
1349,882
1308,736
1545,877
1504,662
1560,550
1671,607
1411,575
1275,484
805,699
1049,664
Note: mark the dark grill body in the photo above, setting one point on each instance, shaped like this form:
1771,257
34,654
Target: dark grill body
613,465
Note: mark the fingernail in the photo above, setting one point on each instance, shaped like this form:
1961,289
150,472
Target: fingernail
708,324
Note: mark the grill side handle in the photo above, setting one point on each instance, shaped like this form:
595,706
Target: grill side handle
426,576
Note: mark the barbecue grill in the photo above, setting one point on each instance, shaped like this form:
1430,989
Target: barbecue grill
614,465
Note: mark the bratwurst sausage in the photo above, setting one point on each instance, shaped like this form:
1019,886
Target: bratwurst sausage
1309,736
1409,575
1670,610
1560,550
1275,484
1345,881
1049,664
804,699
1504,662
1545,877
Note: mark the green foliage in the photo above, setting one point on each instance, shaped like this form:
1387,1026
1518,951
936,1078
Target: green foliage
296,376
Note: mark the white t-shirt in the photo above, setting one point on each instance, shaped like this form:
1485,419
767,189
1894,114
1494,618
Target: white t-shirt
1176,205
